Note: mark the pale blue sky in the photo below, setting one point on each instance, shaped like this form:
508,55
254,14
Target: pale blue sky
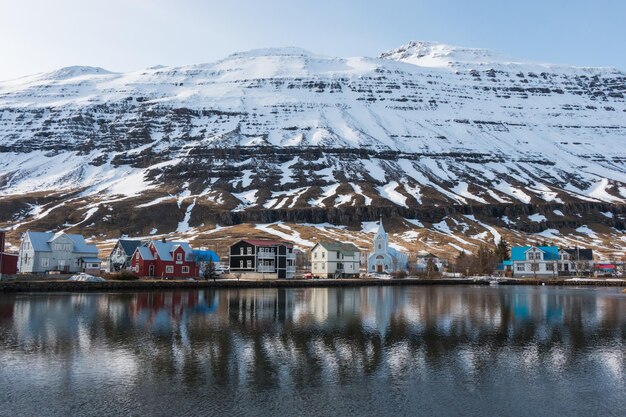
122,35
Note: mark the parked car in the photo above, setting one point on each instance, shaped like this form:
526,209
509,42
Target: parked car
310,275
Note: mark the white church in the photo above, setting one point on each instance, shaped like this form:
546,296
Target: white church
385,260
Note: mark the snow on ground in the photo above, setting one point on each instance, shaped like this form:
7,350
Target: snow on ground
183,226
549,233
294,236
389,192
369,227
415,222
607,214
558,212
538,218
585,230
496,235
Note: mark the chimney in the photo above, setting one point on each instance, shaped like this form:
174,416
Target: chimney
163,240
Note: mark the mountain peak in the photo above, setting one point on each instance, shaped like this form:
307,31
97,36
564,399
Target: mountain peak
435,54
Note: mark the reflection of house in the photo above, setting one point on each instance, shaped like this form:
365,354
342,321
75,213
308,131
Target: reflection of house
531,261
385,259
575,261
8,261
121,255
159,258
262,259
424,258
335,260
44,252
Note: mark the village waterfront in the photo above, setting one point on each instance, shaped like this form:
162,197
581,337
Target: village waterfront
383,350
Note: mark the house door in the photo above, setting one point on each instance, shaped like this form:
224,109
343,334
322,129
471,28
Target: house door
151,270
380,269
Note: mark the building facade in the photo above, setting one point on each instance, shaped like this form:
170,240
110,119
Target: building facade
424,258
262,259
57,252
162,259
335,260
121,256
8,261
385,259
576,261
535,261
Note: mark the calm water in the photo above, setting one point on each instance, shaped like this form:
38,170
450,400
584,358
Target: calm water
359,351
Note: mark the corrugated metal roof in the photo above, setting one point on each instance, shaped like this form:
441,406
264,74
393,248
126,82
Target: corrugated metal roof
129,246
41,242
92,260
145,253
339,246
551,253
165,249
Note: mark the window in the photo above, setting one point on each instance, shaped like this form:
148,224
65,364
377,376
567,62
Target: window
249,264
241,251
185,269
314,255
550,267
338,255
179,256
45,262
169,269
323,255
520,267
249,250
373,267
241,262
380,246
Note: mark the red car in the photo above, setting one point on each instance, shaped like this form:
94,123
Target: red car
309,275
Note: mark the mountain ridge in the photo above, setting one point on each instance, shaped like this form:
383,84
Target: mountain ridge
282,129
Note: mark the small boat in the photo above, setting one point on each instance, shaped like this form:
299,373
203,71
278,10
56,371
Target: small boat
493,282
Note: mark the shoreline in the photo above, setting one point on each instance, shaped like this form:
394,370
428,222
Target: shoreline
156,285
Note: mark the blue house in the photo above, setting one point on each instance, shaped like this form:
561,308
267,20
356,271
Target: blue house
535,261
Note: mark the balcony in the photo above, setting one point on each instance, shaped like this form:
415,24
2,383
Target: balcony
264,268
265,255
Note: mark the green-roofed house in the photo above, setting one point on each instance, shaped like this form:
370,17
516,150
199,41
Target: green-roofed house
335,260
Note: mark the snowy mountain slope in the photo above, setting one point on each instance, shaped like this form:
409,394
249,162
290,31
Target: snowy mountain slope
265,133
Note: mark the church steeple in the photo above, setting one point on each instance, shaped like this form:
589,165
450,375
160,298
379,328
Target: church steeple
380,239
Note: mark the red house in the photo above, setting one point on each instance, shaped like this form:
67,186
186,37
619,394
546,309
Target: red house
8,261
164,259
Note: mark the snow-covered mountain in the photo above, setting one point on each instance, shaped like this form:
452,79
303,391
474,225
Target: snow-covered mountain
425,131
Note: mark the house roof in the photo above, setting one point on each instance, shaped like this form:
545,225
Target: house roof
205,255
266,242
339,246
424,254
145,253
582,254
551,253
92,260
129,246
41,242
165,249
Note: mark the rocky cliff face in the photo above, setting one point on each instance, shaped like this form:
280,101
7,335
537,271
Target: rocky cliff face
426,132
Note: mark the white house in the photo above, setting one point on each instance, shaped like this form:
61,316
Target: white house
44,252
335,260
424,258
535,261
385,259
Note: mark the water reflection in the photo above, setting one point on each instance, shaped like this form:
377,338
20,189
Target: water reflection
308,342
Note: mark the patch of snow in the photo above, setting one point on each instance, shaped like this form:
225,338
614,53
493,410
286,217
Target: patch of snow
537,218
